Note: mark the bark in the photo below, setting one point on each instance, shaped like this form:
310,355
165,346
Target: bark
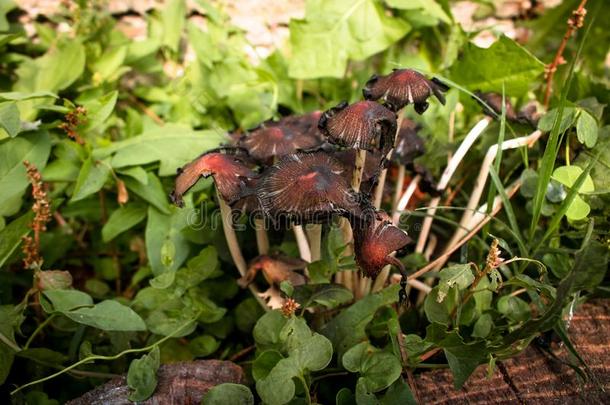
179,384
534,376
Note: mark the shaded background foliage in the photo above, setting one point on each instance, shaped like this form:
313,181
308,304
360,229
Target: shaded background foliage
107,120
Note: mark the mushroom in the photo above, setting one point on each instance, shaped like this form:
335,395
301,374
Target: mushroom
275,268
493,108
230,168
408,145
375,239
306,187
403,87
286,136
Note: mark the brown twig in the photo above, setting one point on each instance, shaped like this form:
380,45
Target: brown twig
575,22
242,353
150,113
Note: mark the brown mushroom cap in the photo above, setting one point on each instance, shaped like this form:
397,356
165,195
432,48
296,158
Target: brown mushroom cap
403,87
275,268
229,167
408,144
363,125
284,137
306,186
374,241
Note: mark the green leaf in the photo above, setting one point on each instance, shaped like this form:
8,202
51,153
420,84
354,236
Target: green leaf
514,308
463,360
160,229
334,32
203,345
267,330
91,178
348,328
9,118
378,370
429,7
459,275
60,66
33,147
66,300
229,393
264,363
109,316
109,63
586,129
437,311
327,295
171,145
152,192
10,236
548,120
20,96
483,326
142,375
399,393
505,62
7,356
99,109
568,175
173,17
122,219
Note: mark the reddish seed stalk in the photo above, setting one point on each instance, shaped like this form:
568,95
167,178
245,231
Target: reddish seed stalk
574,22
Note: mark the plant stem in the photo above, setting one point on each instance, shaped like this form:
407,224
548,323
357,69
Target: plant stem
306,388
302,243
552,68
384,172
234,249
314,235
38,329
9,342
262,239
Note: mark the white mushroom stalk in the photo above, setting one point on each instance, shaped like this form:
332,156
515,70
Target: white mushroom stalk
262,239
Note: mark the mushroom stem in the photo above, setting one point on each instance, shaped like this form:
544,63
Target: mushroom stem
466,144
302,243
404,199
262,240
234,249
384,171
358,169
314,235
400,179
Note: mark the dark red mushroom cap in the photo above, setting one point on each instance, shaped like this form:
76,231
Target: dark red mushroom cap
363,125
408,144
306,186
494,101
374,240
403,87
229,167
284,137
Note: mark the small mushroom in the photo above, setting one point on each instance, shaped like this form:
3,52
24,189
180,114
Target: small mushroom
364,125
279,138
230,168
275,268
374,241
306,187
403,87
408,144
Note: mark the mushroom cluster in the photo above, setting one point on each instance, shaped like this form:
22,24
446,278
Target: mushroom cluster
308,169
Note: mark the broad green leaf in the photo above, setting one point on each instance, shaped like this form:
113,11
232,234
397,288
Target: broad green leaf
160,229
142,375
327,295
483,326
514,308
203,346
173,17
198,269
591,269
20,96
586,129
504,63
333,32
348,328
9,118
267,330
567,175
429,7
437,311
264,363
109,63
91,178
109,316
99,109
9,321
152,191
229,393
172,145
10,236
458,274
61,170
7,355
463,360
66,300
567,119
399,393
377,369
123,219
33,147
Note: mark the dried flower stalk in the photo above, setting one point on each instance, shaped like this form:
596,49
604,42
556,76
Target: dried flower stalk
42,215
